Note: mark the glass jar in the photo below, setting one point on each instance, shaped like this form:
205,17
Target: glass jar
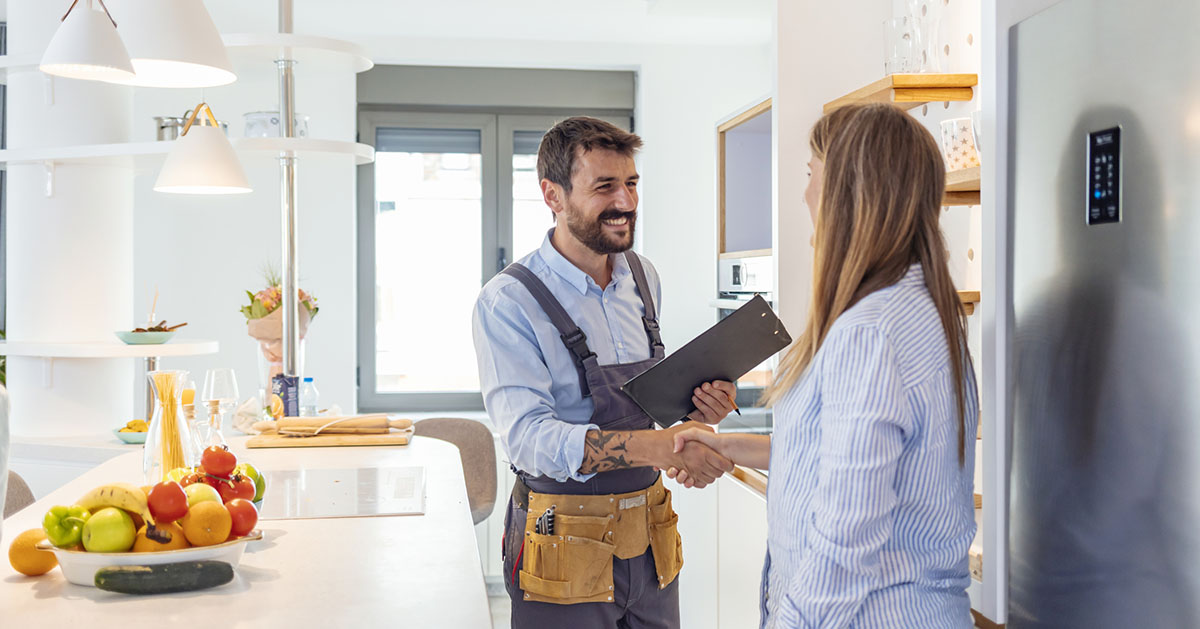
169,443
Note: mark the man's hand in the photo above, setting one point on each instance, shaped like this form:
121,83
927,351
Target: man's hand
607,450
693,436
700,464
713,401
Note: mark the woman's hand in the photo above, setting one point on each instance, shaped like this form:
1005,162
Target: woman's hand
713,401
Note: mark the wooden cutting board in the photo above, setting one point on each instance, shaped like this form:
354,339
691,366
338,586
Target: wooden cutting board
394,438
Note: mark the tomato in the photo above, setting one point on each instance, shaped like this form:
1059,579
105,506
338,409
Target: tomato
190,479
224,487
244,516
243,487
168,502
218,461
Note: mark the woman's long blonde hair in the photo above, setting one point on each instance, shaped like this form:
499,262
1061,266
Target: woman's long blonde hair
882,192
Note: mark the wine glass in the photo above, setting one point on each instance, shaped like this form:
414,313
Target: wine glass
221,395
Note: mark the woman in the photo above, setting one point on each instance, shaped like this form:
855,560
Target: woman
870,501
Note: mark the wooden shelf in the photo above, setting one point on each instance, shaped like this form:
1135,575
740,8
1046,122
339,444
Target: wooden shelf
969,298
910,90
750,253
962,187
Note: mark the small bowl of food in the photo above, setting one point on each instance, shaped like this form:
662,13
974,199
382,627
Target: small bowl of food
156,334
134,431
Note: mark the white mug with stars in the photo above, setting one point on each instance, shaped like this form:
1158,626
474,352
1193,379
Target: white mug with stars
958,144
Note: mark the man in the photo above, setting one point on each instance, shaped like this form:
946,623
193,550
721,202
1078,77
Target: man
590,536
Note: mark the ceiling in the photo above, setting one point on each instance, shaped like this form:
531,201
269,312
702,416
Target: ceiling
709,22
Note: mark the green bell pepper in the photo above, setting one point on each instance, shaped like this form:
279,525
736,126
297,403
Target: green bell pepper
64,525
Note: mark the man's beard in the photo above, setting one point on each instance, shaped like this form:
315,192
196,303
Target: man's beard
592,234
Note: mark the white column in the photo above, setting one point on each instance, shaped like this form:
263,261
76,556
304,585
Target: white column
70,252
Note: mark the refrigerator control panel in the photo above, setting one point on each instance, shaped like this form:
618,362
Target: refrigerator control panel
1104,176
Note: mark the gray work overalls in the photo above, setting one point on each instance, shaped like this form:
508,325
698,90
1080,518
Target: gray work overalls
638,601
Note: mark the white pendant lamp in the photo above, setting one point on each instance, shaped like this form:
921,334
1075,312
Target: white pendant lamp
86,46
202,161
173,43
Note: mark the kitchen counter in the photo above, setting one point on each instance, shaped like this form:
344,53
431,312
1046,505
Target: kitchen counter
412,571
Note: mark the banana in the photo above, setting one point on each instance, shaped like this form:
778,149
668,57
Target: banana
124,496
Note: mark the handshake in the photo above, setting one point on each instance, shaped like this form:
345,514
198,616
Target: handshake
691,455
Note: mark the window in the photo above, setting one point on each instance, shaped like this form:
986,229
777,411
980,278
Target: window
451,199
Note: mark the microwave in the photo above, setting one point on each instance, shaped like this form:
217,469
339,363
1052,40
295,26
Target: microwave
746,276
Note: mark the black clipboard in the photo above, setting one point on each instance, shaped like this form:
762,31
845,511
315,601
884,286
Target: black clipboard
726,351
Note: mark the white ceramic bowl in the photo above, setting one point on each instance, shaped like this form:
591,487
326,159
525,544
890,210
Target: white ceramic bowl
79,567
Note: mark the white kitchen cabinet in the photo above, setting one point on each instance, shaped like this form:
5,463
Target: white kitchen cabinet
741,548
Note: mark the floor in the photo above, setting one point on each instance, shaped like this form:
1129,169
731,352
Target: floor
501,608
499,604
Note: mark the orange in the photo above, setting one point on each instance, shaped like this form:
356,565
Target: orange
143,544
27,559
207,523
276,406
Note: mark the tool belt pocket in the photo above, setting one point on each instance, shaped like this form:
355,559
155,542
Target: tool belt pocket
665,543
573,565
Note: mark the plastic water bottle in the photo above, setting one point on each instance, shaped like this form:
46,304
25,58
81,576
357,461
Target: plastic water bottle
308,398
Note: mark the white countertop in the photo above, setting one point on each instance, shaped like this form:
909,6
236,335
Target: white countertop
401,571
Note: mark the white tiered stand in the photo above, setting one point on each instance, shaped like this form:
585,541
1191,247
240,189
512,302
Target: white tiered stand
71,170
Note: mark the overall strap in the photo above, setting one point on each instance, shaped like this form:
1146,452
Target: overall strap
570,333
650,321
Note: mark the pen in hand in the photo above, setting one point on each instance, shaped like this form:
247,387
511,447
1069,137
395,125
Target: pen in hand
734,403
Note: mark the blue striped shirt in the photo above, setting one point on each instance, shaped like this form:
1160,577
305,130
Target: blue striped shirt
528,379
869,514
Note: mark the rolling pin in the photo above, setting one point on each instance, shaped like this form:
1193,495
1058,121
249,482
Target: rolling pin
350,424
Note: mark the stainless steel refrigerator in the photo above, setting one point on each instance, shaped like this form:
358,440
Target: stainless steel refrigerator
1104,327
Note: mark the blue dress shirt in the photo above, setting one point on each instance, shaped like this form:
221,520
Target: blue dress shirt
869,513
529,382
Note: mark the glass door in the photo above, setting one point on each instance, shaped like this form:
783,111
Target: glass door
524,217
449,202
432,221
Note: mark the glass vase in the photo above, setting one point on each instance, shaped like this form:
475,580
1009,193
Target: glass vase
927,19
169,442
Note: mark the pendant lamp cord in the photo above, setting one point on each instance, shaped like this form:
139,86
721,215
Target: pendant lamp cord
191,119
102,6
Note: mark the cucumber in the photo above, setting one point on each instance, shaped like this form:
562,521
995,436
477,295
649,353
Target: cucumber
183,576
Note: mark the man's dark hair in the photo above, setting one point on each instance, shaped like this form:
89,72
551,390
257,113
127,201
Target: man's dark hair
567,139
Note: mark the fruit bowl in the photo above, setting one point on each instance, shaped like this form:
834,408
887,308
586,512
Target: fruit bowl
144,338
79,567
130,437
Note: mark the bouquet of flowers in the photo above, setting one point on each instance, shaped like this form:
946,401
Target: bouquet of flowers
264,316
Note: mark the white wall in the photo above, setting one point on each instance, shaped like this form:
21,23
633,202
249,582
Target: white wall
203,253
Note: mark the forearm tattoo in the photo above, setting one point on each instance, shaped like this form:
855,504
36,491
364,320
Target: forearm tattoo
605,450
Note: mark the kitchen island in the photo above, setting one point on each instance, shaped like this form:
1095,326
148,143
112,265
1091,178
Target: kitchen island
395,571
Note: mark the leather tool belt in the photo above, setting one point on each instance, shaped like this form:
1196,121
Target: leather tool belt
574,563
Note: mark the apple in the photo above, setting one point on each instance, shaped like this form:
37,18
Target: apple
112,531
199,492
